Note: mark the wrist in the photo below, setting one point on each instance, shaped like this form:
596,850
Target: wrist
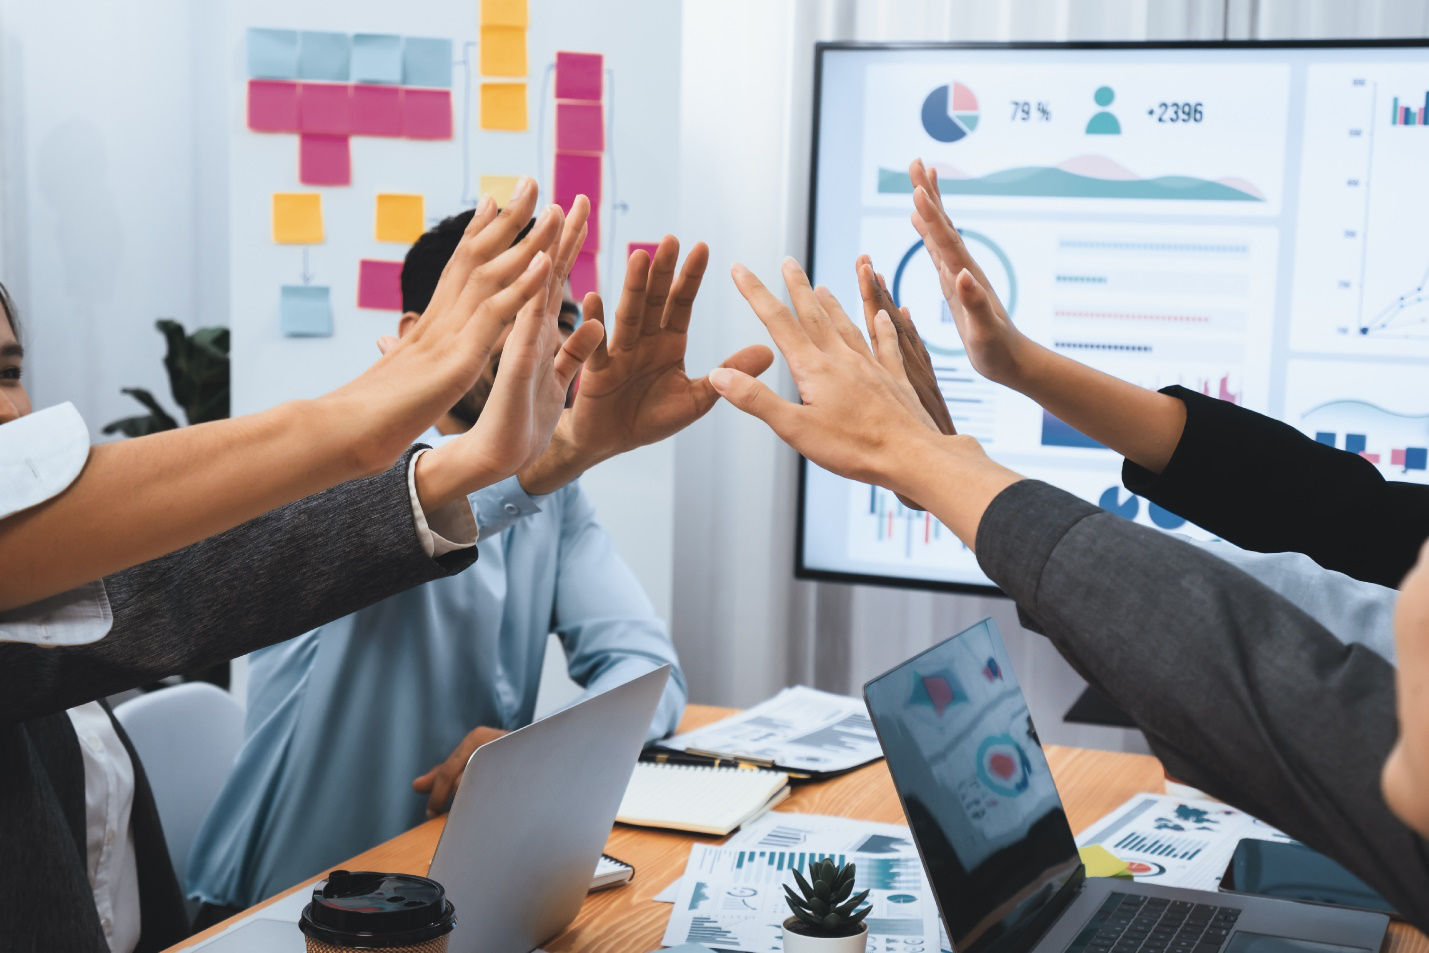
441,477
563,461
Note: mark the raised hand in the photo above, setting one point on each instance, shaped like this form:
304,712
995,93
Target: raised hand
997,349
634,390
529,394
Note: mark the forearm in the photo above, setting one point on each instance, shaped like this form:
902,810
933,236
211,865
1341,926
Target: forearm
1142,425
139,499
950,476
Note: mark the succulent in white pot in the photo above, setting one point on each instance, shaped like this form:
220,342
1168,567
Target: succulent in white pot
827,917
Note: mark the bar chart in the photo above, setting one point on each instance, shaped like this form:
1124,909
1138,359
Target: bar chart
1408,115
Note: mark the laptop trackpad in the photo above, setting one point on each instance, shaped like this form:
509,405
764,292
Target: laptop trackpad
1242,942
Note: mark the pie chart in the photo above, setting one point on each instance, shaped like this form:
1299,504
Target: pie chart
950,112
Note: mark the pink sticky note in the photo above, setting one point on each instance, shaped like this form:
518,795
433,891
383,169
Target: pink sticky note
376,110
648,248
580,76
577,175
379,285
324,160
326,107
272,107
583,275
580,127
427,113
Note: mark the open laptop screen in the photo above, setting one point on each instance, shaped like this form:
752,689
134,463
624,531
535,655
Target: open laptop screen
976,788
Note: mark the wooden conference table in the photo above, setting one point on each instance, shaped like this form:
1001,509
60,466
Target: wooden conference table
627,920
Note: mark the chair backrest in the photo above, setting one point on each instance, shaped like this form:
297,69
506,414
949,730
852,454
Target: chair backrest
187,736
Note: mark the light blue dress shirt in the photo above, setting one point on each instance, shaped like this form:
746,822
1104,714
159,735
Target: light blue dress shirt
340,720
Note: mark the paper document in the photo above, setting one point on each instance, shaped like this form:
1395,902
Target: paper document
799,729
733,899
1180,843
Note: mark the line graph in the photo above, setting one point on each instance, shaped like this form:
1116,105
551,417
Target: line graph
1406,316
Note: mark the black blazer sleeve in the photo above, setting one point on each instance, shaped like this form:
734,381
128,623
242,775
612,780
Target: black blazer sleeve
1265,486
270,579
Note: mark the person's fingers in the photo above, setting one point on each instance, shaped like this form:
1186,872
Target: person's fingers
973,298
443,787
593,312
789,335
386,343
682,295
501,309
422,783
885,345
868,289
753,360
936,189
576,350
630,309
756,399
460,265
504,269
841,323
573,237
816,322
657,289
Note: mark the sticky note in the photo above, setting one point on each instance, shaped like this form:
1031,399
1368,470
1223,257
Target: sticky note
1101,862
580,127
305,311
297,218
324,56
648,248
504,13
325,107
379,285
503,107
426,62
583,275
272,106
273,54
576,175
503,51
427,113
376,111
400,218
499,187
580,76
324,159
376,58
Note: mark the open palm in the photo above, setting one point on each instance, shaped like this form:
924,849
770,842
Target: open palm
634,390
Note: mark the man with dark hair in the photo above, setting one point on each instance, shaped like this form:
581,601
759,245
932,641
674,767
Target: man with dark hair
348,747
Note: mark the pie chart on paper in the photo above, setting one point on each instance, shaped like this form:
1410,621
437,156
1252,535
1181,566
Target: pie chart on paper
950,112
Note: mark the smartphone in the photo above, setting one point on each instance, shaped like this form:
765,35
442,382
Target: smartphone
1292,871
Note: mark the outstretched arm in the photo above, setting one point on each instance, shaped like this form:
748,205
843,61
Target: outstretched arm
138,499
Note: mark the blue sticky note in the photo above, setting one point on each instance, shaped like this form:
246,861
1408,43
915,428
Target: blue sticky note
324,56
272,54
376,58
305,311
427,62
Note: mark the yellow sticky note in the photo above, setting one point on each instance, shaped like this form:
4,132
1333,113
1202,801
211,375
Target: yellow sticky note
1101,862
503,106
504,13
297,218
503,51
400,218
499,187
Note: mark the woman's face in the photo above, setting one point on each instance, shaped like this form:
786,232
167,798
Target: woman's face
1406,772
14,402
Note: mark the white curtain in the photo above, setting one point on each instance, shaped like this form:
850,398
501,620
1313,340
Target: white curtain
744,626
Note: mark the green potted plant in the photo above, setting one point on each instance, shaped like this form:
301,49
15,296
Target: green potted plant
827,918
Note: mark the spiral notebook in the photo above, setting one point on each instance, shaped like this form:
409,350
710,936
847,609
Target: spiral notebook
699,799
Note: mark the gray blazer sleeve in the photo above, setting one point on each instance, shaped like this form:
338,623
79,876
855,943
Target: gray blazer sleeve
1239,692
270,579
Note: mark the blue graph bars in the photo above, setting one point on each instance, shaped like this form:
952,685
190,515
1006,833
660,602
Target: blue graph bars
1408,458
1408,115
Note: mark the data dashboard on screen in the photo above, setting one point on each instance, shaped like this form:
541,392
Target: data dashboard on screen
1248,221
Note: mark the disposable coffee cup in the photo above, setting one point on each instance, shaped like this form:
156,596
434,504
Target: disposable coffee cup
364,910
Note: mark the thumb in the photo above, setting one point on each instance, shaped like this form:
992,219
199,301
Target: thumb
386,343
577,349
423,784
753,397
972,298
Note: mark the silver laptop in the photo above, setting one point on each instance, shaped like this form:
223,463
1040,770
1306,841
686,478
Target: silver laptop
999,852
525,832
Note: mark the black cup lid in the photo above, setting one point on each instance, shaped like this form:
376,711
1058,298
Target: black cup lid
364,909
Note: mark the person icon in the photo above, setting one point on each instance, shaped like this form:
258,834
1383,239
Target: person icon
1104,123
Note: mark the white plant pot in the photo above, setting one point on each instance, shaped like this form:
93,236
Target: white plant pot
798,943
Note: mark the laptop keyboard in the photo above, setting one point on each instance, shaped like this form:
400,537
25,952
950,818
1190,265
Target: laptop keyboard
1127,923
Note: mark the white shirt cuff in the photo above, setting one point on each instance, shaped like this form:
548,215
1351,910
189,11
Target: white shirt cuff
77,617
40,456
447,528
